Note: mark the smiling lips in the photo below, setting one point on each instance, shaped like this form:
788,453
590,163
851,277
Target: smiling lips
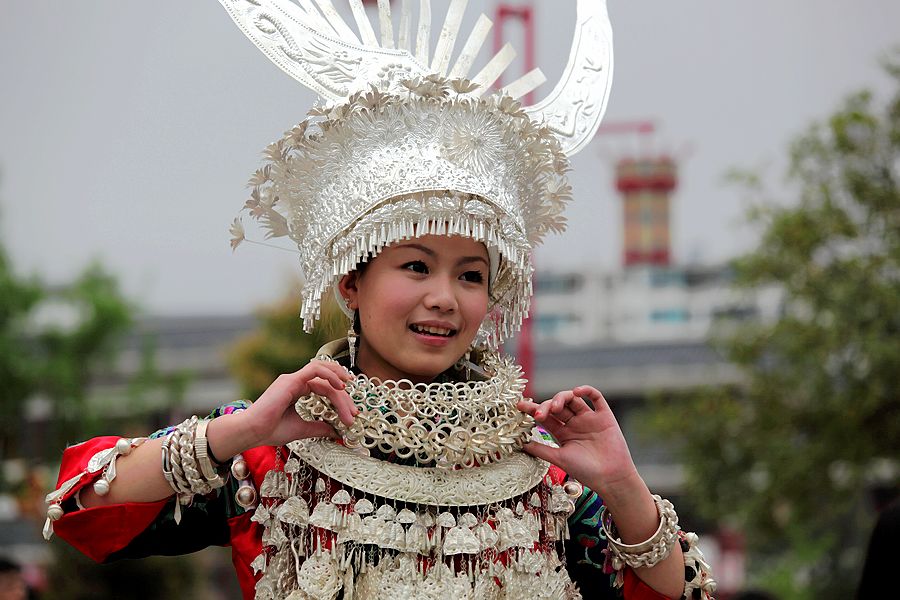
433,330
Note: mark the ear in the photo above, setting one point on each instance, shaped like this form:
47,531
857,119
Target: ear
347,286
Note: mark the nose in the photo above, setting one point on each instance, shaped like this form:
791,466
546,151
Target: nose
441,294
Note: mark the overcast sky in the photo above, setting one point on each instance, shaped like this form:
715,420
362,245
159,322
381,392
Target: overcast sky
128,130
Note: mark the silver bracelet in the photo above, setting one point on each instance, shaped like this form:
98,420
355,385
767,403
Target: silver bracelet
649,552
167,462
201,452
179,482
182,467
196,482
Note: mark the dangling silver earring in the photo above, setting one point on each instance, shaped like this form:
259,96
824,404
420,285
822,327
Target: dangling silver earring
465,362
352,337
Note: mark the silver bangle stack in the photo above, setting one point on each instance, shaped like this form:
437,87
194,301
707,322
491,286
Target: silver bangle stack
186,464
649,552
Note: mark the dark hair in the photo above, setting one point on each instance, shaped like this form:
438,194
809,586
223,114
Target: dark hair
8,566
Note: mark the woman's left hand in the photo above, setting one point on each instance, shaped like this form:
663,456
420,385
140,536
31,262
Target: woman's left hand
592,448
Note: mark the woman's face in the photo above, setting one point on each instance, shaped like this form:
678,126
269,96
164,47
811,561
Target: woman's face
420,303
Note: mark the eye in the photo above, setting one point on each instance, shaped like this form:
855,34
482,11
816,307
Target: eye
473,276
417,266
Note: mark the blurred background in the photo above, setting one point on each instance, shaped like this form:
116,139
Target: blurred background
729,277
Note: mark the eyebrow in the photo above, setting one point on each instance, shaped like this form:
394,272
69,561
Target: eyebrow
433,254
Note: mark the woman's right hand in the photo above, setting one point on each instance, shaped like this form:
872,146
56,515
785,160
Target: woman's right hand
272,420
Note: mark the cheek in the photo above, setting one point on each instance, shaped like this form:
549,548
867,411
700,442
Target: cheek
476,307
391,298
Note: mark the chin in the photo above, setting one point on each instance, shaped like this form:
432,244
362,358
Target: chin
427,372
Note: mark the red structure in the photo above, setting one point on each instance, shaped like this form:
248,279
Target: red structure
646,185
525,15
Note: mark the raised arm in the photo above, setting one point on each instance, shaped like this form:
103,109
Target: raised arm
129,473
593,451
270,421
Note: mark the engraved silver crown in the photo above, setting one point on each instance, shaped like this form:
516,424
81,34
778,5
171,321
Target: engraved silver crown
404,145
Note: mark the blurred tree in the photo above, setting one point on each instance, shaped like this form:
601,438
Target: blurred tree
792,454
79,334
54,340
280,345
18,296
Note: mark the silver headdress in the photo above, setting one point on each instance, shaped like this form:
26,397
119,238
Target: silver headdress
405,146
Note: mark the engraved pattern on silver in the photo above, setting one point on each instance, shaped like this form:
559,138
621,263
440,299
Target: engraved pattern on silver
496,482
380,547
100,459
315,53
395,130
385,167
314,56
575,107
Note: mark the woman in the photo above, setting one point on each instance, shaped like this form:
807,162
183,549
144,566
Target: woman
392,466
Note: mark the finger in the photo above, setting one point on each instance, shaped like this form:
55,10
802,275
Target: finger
527,406
340,400
324,371
586,392
319,429
340,370
542,451
556,407
540,414
345,407
560,406
287,388
554,404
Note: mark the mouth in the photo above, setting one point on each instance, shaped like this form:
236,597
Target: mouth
432,330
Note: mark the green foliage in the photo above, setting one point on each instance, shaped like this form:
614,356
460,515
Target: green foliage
791,454
54,341
68,355
280,345
17,298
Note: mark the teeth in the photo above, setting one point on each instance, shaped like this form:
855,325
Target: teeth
432,330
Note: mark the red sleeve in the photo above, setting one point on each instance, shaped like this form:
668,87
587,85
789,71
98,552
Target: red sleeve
635,589
99,531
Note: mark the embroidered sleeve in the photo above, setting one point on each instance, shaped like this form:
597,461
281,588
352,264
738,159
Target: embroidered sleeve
588,560
587,556
225,409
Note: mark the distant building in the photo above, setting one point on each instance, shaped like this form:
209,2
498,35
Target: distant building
646,185
642,303
649,299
